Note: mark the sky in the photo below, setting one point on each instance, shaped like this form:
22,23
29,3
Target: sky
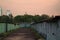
32,7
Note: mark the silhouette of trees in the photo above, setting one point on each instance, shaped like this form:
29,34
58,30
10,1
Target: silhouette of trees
11,18
44,16
4,19
36,18
23,18
17,19
28,18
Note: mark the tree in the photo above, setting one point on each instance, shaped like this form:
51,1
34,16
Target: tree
18,19
36,18
28,18
44,16
5,19
11,18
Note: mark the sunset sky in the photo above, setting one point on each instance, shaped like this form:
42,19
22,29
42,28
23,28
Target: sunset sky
33,7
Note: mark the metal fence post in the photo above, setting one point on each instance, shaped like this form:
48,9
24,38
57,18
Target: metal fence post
6,27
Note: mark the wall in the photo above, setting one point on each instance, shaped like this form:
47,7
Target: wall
58,31
24,24
51,34
12,26
2,27
40,27
48,30
9,27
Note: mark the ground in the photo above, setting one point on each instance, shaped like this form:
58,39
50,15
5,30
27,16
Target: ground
21,34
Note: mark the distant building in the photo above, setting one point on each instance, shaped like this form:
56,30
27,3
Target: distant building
8,12
0,11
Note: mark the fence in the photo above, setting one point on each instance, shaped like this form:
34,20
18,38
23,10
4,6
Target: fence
50,30
9,27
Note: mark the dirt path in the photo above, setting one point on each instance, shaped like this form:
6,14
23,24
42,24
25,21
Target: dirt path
21,34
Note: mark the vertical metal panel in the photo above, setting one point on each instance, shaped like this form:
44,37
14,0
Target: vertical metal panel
58,31
2,27
47,29
9,27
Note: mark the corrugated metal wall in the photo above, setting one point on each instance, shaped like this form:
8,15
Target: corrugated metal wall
2,27
9,27
48,30
58,31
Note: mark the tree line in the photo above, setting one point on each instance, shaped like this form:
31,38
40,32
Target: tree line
23,18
